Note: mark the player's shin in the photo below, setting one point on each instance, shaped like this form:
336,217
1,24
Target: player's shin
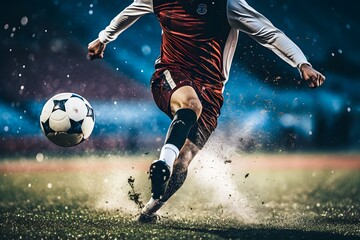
160,170
176,181
179,128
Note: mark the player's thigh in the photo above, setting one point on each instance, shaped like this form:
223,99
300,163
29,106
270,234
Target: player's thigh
185,97
172,90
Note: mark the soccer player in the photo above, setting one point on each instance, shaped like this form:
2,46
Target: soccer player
199,38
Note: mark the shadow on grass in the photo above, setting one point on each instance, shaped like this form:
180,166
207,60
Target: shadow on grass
267,233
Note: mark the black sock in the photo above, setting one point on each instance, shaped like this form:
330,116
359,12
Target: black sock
179,128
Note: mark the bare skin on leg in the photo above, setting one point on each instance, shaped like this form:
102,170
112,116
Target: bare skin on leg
185,97
181,164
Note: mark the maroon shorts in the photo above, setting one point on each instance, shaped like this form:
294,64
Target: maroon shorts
165,81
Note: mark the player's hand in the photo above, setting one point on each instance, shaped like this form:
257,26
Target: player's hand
96,49
313,77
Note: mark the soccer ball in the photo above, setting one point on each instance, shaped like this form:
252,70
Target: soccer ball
67,119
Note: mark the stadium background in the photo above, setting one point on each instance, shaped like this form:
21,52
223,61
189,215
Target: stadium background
43,52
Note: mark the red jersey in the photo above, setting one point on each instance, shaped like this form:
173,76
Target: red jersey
194,35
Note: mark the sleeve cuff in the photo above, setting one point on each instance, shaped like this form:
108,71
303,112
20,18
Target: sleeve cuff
302,63
299,67
102,37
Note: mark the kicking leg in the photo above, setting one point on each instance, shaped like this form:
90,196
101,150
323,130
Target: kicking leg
186,108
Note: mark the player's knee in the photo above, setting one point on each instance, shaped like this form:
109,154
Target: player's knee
185,97
194,104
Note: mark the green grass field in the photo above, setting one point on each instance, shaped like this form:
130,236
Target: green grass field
244,197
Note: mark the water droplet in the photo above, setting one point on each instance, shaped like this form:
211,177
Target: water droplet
6,128
91,12
6,26
310,133
348,109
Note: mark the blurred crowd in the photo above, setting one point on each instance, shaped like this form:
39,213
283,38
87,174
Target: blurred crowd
43,51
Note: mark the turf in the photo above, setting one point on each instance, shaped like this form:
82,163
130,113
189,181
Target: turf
88,198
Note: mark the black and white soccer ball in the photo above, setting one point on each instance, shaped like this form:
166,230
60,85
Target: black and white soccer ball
67,119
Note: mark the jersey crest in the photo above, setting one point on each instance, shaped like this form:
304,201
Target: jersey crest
202,9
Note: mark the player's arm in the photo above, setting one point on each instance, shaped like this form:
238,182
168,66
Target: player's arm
243,17
119,24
